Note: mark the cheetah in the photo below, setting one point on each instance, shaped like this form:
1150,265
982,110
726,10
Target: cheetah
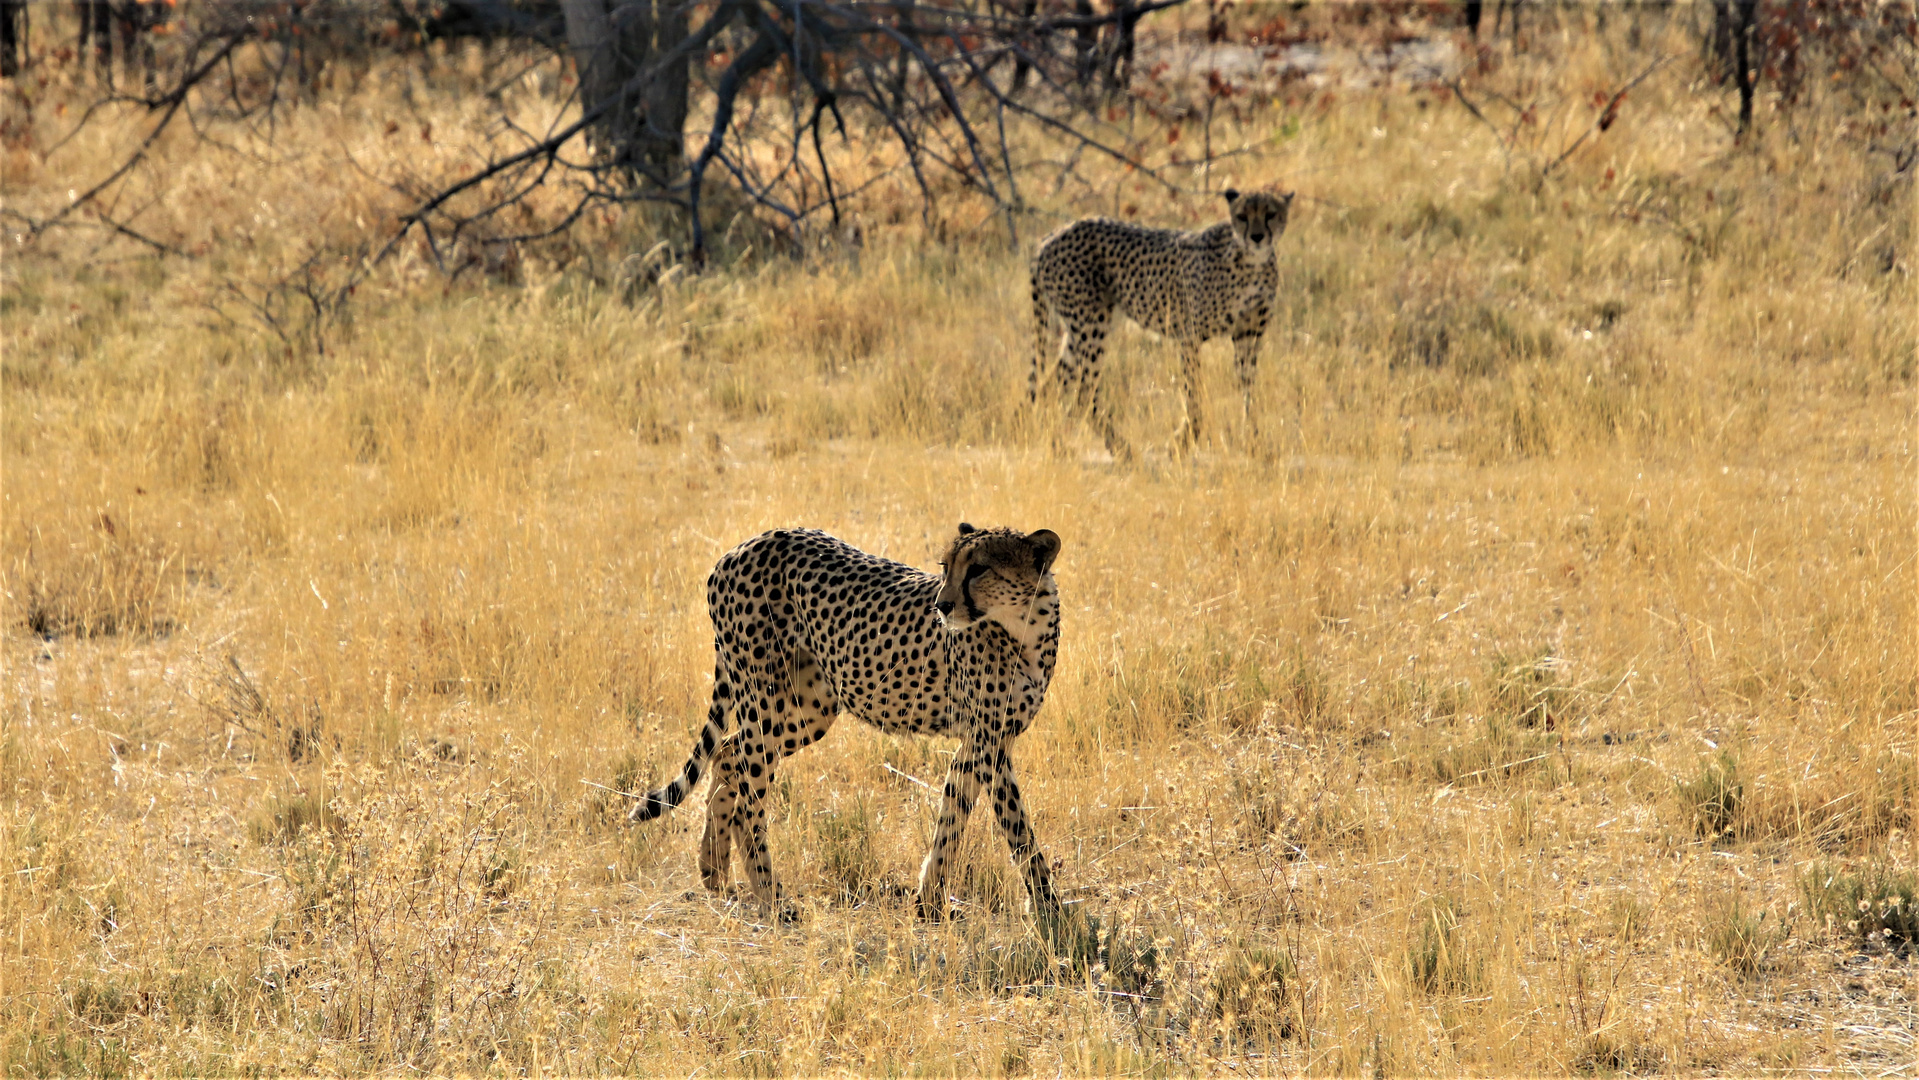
1189,286
806,627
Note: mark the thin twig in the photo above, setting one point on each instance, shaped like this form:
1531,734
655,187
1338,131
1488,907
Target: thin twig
173,103
616,791
1605,116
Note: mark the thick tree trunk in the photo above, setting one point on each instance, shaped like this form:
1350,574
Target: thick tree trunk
137,18
589,36
1500,15
665,104
13,36
1743,72
1118,71
643,129
96,26
1085,44
1022,67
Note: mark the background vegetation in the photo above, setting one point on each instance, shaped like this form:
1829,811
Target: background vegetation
1537,695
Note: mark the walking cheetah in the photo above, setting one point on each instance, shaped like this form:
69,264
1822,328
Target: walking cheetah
1188,286
806,627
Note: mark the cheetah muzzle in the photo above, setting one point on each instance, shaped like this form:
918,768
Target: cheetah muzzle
1187,286
806,627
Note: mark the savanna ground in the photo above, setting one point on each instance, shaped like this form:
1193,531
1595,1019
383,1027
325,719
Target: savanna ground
1535,694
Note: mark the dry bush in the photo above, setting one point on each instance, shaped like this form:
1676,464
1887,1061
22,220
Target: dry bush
1254,992
1874,904
1712,801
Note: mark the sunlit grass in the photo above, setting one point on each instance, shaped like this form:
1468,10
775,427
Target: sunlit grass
1532,696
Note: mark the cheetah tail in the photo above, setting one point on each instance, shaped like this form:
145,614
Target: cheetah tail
660,800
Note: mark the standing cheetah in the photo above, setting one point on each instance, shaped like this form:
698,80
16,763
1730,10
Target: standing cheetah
806,627
1188,286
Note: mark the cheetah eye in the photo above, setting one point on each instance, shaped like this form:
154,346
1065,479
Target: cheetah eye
976,570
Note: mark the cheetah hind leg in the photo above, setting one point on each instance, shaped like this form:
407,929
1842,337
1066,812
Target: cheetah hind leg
756,773
716,843
1050,350
812,712
1186,438
1048,344
1086,346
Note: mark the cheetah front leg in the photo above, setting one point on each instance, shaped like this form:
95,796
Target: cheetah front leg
1246,366
1027,857
970,770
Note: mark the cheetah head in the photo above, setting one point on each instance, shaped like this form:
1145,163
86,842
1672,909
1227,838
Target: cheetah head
1258,219
998,575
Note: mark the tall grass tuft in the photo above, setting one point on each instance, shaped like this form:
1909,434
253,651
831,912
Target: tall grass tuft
1713,799
1742,939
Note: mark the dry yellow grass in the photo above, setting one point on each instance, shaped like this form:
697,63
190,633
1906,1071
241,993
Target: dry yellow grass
1513,707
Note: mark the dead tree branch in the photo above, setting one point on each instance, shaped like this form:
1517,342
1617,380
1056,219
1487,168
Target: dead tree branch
1606,115
919,74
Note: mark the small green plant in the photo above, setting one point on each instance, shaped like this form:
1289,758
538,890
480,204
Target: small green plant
1072,936
1742,939
1447,320
1300,690
631,775
1439,960
285,817
1612,1053
986,884
1527,690
1713,799
1069,946
1629,915
100,909
1253,989
1495,749
101,1003
1132,962
1260,794
1522,825
1274,807
502,872
1877,902
323,889
848,856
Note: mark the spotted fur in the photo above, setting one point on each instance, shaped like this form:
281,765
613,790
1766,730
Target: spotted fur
806,627
1187,286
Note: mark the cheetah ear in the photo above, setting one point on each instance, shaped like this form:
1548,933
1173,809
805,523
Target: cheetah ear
1045,548
1232,196
1288,197
965,528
